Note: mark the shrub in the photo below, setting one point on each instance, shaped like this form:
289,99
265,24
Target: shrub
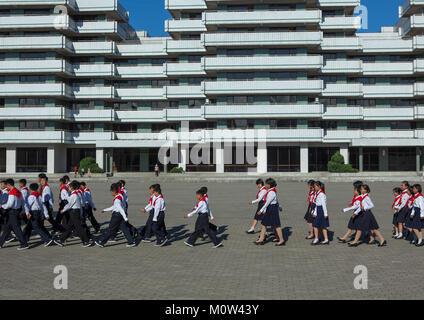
337,165
177,170
89,163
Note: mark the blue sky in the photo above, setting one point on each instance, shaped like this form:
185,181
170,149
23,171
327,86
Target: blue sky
150,14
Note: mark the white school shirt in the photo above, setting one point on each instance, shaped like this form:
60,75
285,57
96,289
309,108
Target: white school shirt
89,198
210,211
397,205
47,195
118,207
261,194
271,198
321,201
405,198
366,203
418,203
159,205
150,203
25,193
13,202
35,204
124,194
202,207
64,194
356,205
74,202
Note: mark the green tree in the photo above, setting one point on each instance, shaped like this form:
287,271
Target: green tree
89,163
337,165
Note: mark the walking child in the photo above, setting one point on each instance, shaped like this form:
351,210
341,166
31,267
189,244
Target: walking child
311,205
158,225
354,205
320,214
260,201
397,219
416,219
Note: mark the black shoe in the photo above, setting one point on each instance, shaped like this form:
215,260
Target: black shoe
313,243
353,245
23,247
384,244
259,243
250,232
341,240
325,243
280,244
372,243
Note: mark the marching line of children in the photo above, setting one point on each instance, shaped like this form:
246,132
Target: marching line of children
33,206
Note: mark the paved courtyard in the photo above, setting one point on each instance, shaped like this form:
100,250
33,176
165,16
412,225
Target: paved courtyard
239,270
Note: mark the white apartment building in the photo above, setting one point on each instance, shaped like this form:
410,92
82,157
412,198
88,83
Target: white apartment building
292,78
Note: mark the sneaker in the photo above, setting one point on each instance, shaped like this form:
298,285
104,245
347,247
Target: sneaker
87,244
218,245
250,232
130,245
96,231
112,240
59,243
23,247
11,239
162,243
99,244
48,243
146,241
188,244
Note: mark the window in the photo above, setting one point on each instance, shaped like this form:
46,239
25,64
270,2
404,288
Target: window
31,125
283,159
282,52
240,76
364,125
402,125
283,76
82,127
283,124
125,127
199,125
32,56
240,52
31,159
81,105
196,103
31,102
282,99
158,127
163,83
240,124
240,99
160,105
33,79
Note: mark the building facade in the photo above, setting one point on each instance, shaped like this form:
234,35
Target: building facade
288,83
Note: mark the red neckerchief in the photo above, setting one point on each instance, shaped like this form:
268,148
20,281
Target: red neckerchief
410,200
355,198
160,196
117,197
272,189
15,192
417,196
75,192
257,196
35,194
314,200
397,201
42,189
203,199
310,195
150,199
24,188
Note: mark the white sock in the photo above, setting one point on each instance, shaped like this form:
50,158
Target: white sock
251,229
316,240
400,235
420,240
325,241
396,235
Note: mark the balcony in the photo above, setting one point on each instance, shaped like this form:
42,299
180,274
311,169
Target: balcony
342,90
32,137
294,135
184,114
342,66
341,23
37,22
140,72
88,137
143,116
34,90
255,39
418,66
410,7
111,7
35,66
109,28
136,94
187,92
341,44
94,70
388,114
262,63
37,3
388,68
182,5
93,92
262,87
151,49
338,3
46,113
388,91
184,26
253,18
104,115
184,69
184,46
94,47
419,89
51,43
343,113
389,45
263,111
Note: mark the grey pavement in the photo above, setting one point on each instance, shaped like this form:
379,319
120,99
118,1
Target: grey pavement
239,270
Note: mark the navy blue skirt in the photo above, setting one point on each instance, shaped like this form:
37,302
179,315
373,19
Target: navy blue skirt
403,215
351,224
320,221
366,221
415,222
272,216
308,216
259,217
396,218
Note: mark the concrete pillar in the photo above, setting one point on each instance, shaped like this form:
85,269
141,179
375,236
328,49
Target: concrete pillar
100,158
219,159
304,158
184,156
10,159
56,159
262,165
144,160
418,159
361,159
344,151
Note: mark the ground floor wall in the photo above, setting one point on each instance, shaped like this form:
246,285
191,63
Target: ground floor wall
235,158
